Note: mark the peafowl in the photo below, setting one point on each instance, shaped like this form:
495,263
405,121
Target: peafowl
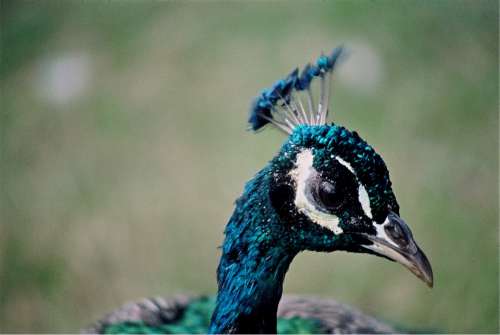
326,190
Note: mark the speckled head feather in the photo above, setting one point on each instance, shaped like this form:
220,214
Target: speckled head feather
335,148
282,104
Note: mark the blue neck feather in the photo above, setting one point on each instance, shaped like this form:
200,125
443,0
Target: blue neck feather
255,259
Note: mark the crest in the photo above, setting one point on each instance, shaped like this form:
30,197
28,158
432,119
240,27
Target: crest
290,102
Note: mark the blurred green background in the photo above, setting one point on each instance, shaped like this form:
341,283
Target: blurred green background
123,145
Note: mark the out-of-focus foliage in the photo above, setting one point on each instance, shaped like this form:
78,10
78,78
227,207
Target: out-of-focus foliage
123,147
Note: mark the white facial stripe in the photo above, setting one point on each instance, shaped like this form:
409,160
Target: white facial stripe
347,165
303,170
364,200
363,197
381,232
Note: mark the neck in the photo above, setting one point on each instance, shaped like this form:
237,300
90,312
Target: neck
250,288
252,268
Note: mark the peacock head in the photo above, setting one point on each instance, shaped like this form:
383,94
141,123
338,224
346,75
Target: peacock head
327,184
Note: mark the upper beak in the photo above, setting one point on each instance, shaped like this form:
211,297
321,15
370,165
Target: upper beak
394,240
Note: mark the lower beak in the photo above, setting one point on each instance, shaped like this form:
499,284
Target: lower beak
394,240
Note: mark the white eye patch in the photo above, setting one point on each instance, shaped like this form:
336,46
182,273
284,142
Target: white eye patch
301,173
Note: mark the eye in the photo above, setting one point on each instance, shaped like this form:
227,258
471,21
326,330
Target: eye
328,195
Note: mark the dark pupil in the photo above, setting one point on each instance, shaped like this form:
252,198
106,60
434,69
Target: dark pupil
329,196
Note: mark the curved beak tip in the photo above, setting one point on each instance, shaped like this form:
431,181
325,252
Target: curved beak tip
421,267
428,279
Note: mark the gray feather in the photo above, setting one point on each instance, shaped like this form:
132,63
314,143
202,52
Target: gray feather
151,311
334,317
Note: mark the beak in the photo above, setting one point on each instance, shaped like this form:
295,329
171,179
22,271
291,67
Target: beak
394,240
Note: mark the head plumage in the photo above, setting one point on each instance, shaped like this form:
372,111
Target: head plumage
282,105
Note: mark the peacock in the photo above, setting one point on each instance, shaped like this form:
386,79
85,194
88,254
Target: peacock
326,190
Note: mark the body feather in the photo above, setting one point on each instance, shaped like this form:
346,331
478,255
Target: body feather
190,314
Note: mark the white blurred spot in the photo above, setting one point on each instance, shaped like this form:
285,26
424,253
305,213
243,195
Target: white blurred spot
362,69
64,78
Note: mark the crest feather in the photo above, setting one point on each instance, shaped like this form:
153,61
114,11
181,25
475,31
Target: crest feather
281,104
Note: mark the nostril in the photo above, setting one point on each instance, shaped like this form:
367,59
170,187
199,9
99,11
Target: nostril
396,234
